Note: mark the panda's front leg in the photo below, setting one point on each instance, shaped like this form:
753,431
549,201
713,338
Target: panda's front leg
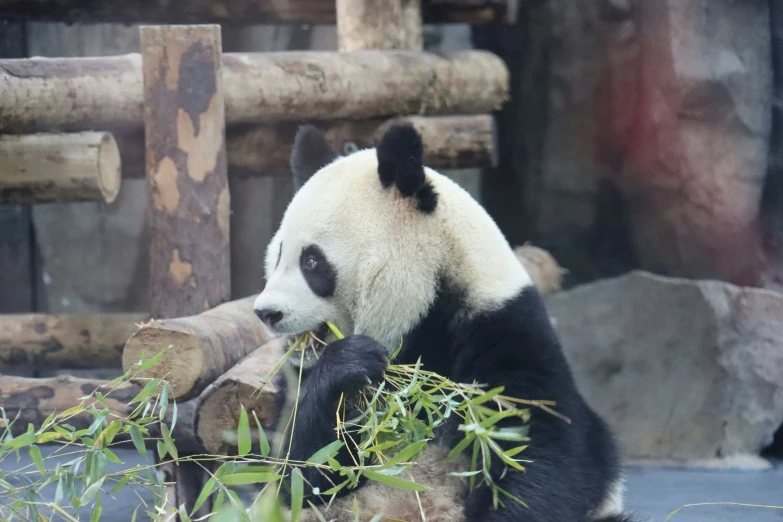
345,367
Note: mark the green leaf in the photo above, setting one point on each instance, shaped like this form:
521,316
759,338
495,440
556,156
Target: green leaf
58,493
243,433
173,415
124,480
145,392
21,441
317,512
164,401
487,396
111,456
459,448
71,411
135,511
394,481
35,454
206,491
262,440
138,441
152,362
90,492
43,438
244,479
405,454
324,453
161,450
168,442
297,494
95,516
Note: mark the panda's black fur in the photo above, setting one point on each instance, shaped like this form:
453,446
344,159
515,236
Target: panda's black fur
574,465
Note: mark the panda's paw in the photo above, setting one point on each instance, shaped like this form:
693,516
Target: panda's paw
353,363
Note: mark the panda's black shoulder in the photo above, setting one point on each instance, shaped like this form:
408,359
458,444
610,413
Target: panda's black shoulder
510,342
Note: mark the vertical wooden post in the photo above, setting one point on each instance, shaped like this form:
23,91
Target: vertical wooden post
379,24
186,169
184,128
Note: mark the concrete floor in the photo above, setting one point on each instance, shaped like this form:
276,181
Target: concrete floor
652,494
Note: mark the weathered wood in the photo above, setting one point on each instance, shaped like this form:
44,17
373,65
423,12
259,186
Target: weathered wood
234,11
203,347
189,204
39,341
450,142
281,86
546,273
41,168
218,407
379,24
33,400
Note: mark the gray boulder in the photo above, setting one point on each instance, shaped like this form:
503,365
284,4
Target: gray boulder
682,370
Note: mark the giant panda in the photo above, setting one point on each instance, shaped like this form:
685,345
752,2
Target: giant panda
389,249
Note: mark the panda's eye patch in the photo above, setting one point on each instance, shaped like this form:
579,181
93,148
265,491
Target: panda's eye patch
318,272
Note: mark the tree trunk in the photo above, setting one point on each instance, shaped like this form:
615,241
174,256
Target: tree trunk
219,406
291,86
236,11
202,347
41,168
379,24
39,341
188,214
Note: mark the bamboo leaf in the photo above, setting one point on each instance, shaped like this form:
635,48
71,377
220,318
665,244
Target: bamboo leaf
243,434
262,440
244,479
206,491
394,481
35,455
90,492
297,494
405,454
152,362
168,442
138,441
324,453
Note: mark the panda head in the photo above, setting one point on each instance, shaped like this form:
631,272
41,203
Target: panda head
369,238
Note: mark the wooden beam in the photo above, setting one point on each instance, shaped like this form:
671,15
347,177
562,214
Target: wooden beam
72,93
189,206
41,168
203,347
450,142
39,341
379,24
234,11
219,406
33,400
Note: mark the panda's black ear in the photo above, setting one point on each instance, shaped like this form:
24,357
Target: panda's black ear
400,164
309,154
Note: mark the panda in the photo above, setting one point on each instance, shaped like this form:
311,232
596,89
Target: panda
389,249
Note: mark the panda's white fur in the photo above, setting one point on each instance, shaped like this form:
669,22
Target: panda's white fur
391,259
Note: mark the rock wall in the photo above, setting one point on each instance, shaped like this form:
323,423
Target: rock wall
682,370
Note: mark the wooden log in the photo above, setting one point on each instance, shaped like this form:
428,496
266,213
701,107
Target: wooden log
40,341
203,347
189,205
41,168
450,142
33,400
235,11
68,93
219,406
378,24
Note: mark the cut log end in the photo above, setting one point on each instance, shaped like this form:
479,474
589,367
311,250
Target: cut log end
218,407
182,366
50,167
109,168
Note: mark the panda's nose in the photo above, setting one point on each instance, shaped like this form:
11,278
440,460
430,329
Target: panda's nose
269,317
